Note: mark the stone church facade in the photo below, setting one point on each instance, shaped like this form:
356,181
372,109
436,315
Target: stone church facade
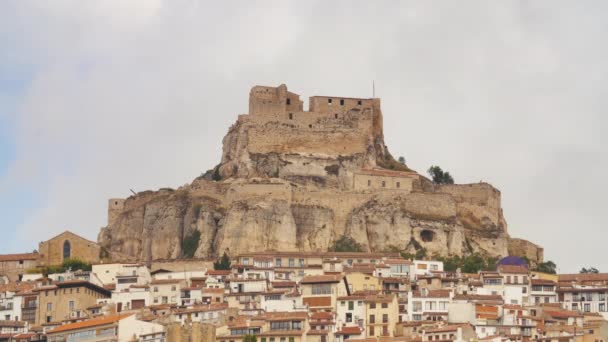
67,245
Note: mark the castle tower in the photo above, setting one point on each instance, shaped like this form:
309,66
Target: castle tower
115,207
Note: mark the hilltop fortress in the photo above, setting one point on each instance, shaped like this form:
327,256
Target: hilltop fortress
295,180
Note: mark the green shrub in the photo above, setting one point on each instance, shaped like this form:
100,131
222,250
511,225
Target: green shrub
346,244
223,263
190,243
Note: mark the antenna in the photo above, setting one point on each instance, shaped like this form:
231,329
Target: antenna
373,89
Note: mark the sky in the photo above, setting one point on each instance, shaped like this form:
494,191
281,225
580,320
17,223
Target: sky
100,97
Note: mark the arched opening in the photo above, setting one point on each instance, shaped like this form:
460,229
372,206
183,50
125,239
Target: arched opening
427,235
67,249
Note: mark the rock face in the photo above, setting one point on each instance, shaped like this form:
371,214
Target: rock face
296,180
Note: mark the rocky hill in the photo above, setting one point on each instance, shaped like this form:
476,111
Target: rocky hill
294,180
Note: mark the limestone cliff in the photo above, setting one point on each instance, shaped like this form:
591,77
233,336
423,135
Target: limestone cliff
298,180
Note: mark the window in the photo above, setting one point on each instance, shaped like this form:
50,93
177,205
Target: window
385,318
602,307
296,325
245,261
417,306
372,305
301,262
49,306
291,262
173,288
371,331
329,101
587,307
372,319
369,182
336,116
341,102
351,305
321,289
383,184
384,305
278,262
349,317
290,116
398,184
359,102
71,305
66,249
155,288
279,326
288,102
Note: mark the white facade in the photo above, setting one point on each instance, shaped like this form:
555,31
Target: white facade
425,267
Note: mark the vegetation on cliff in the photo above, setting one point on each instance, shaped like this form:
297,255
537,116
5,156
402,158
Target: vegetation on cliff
439,176
589,270
190,243
223,263
346,244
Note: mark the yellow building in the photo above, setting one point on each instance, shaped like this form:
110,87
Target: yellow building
382,315
67,300
358,281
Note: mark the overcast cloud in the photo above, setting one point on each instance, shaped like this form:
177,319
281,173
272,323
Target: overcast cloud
99,97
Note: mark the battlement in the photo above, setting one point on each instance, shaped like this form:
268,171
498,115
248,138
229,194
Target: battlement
329,104
273,100
265,100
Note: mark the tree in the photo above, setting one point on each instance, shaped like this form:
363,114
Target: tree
223,263
75,264
250,338
346,244
546,267
402,160
589,270
439,176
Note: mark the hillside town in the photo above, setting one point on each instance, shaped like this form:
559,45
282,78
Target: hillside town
274,296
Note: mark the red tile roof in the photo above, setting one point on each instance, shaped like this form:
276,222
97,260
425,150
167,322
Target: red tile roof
321,279
519,269
349,331
90,323
17,257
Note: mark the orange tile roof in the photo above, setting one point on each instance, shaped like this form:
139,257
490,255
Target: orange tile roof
165,281
321,279
90,323
519,269
542,282
349,331
280,316
387,173
17,257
